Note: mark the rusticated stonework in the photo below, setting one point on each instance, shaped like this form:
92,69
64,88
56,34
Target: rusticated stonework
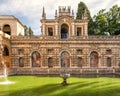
64,43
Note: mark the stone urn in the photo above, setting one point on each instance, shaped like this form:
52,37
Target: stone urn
64,75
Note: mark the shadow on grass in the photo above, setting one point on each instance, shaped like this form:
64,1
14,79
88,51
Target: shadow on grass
73,89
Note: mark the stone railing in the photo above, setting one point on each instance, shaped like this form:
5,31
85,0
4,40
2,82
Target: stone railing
98,38
57,71
34,38
72,38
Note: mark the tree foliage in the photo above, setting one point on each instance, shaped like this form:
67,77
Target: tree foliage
80,11
28,32
104,23
107,22
81,7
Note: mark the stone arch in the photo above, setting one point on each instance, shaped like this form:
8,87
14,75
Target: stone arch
64,31
94,59
6,55
64,59
36,59
5,51
7,29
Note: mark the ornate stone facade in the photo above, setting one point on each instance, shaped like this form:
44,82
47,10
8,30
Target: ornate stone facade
64,43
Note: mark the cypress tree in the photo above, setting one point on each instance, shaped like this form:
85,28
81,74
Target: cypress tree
81,7
30,32
80,11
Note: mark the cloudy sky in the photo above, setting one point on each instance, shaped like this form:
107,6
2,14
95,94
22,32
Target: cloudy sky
29,11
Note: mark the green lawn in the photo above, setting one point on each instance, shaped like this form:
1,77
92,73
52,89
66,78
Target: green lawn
50,86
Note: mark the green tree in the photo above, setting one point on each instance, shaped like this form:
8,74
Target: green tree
100,23
80,11
107,22
113,17
28,32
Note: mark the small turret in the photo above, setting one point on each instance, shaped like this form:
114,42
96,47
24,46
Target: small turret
73,13
43,14
55,14
64,10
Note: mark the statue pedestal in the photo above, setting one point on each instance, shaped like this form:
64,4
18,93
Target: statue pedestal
64,76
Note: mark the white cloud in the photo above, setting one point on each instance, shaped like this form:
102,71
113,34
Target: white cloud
30,11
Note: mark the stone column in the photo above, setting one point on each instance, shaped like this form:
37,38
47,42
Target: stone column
73,29
43,29
56,29
86,30
102,60
87,61
99,62
73,61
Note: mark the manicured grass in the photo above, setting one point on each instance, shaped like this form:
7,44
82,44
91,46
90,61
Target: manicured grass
50,86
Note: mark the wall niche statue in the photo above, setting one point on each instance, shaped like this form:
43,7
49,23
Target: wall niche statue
65,59
94,59
36,59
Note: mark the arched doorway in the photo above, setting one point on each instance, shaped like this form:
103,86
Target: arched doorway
5,51
6,56
64,31
94,59
7,29
35,58
65,59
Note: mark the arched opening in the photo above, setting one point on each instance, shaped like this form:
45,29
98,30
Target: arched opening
65,59
21,62
5,51
35,58
64,31
7,29
6,56
108,62
50,62
80,62
94,59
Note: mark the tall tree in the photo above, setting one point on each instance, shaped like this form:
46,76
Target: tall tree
100,23
80,11
113,17
28,32
107,22
81,7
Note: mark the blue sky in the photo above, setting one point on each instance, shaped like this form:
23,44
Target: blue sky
29,11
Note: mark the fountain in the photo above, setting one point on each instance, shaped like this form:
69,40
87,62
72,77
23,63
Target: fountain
4,70
64,75
5,75
4,67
